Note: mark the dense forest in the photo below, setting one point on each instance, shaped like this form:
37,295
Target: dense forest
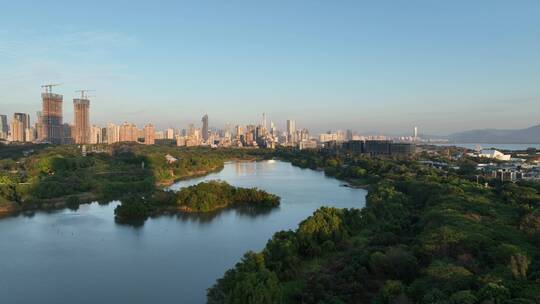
209,196
203,197
425,236
36,175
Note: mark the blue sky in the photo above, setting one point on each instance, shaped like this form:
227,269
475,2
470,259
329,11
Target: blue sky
371,66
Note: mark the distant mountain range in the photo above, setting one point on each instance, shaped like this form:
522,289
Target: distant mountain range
518,136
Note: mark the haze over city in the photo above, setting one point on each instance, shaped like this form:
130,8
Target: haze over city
270,152
385,66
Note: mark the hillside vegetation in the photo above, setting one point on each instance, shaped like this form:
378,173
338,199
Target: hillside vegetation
34,176
203,197
425,236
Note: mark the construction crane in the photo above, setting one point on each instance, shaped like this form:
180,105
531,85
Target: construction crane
48,87
84,93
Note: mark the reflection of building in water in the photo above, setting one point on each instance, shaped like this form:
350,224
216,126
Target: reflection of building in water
238,168
244,168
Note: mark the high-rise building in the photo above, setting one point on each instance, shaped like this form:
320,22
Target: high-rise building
291,131
205,127
160,135
19,124
190,130
52,125
273,130
340,136
95,135
104,135
149,134
67,134
239,131
169,133
39,125
415,133
181,141
30,134
4,127
81,107
113,133
128,132
349,135
304,134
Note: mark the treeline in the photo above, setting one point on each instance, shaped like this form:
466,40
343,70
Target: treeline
354,168
60,172
425,236
203,197
209,196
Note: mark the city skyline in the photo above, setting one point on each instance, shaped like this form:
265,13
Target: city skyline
50,127
444,67
81,127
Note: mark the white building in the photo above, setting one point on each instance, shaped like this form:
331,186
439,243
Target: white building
494,154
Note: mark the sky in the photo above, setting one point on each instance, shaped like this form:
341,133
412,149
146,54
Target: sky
370,66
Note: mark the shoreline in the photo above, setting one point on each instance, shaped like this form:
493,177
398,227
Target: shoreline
14,209
190,175
57,203
11,208
351,184
347,182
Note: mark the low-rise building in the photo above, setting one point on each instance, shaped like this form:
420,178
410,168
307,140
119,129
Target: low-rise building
492,154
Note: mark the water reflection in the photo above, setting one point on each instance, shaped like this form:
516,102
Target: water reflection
205,217
172,257
244,168
135,223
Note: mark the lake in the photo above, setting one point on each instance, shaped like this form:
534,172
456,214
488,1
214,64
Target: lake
83,256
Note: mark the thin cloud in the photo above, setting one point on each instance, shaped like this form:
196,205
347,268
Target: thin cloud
27,45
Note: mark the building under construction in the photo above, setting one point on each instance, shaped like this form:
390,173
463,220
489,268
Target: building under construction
51,115
82,120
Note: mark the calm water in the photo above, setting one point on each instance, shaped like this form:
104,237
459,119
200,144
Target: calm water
509,147
83,256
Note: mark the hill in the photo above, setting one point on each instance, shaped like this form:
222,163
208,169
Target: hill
499,136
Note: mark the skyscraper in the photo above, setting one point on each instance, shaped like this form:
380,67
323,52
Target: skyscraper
52,126
205,127
81,107
415,133
291,131
19,125
4,127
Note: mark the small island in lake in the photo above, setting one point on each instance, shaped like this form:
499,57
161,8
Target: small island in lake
213,195
203,197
